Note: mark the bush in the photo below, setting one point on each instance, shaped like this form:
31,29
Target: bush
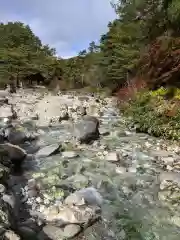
153,114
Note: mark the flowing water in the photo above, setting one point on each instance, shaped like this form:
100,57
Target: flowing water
131,209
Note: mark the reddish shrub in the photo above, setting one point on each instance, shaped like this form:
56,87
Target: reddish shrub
161,62
130,89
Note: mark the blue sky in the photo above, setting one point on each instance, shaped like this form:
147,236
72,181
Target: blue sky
67,25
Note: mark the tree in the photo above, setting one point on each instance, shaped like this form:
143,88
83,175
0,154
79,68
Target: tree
24,54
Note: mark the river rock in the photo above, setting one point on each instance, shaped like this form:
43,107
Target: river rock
4,173
81,110
87,129
76,181
3,93
170,187
71,230
48,150
6,111
10,235
69,154
73,215
64,116
88,196
2,189
18,134
4,215
14,152
3,100
51,232
112,157
27,233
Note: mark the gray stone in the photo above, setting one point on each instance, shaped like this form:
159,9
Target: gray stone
87,129
26,233
4,216
104,132
71,230
18,134
51,232
14,152
2,230
3,100
48,150
168,160
161,153
9,199
77,181
73,215
32,193
32,184
64,116
69,154
2,189
10,235
170,176
88,196
6,112
4,173
3,93
112,157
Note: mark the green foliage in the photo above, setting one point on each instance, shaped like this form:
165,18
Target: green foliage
159,92
111,62
155,115
23,54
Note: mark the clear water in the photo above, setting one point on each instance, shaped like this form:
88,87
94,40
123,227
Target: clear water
131,208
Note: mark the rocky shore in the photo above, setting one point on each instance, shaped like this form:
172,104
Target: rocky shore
70,169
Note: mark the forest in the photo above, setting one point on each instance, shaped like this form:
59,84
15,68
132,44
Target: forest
141,45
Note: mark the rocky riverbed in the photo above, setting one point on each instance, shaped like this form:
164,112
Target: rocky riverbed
70,169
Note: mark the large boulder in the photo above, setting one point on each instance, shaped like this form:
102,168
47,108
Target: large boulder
87,129
18,134
15,153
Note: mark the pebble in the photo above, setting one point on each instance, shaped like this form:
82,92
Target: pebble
31,183
2,188
38,200
46,202
120,170
112,157
69,154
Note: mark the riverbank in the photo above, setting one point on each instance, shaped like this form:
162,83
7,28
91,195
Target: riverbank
153,112
76,171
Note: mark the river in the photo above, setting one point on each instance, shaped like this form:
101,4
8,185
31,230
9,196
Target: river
137,175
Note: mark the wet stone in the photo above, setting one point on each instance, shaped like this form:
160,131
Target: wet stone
112,157
69,154
71,230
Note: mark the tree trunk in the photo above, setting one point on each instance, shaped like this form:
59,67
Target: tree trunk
12,85
18,82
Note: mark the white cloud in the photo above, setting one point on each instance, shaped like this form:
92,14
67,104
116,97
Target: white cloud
67,25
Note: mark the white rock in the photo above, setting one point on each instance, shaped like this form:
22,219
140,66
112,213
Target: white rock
120,170
88,195
112,157
69,154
